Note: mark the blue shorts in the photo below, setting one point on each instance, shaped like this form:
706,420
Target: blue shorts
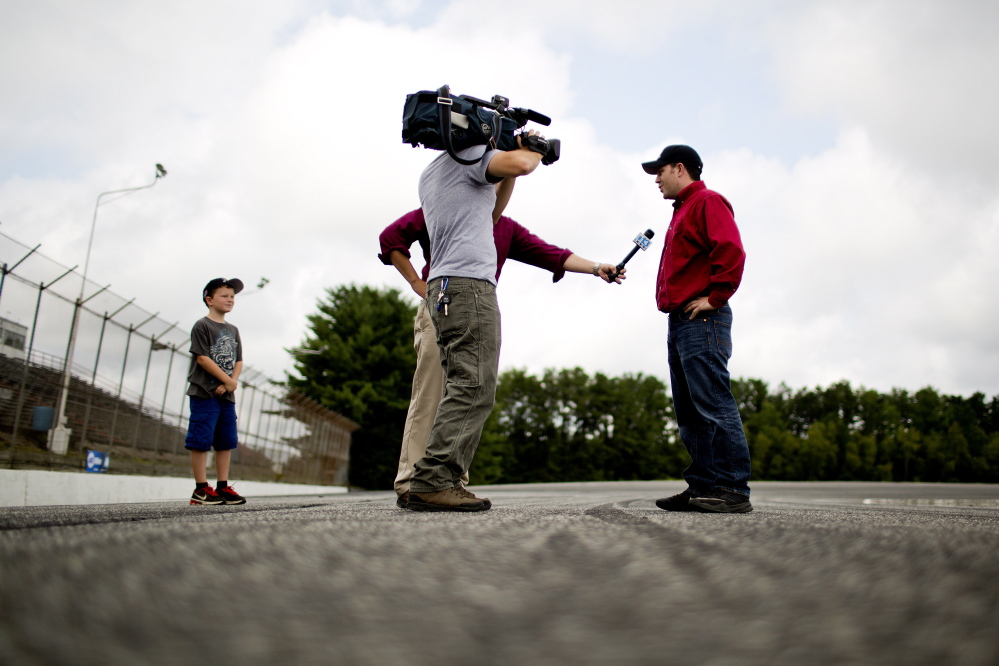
212,424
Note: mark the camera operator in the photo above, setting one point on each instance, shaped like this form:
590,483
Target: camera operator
513,242
458,202
701,269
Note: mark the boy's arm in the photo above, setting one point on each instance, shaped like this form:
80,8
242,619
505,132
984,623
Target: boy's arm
237,369
228,383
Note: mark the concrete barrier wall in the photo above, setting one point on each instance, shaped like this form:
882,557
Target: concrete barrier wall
42,488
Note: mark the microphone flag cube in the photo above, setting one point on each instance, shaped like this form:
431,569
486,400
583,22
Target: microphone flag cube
643,241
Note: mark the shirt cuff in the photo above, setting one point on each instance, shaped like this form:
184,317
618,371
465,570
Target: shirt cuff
559,272
717,301
387,253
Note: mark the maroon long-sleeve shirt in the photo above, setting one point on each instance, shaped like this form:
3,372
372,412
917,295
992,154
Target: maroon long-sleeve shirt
513,241
703,255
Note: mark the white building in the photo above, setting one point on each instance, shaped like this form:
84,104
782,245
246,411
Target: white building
13,337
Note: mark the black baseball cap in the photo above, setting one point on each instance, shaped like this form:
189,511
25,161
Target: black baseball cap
235,283
684,155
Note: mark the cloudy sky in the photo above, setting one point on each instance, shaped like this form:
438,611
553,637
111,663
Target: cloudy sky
856,141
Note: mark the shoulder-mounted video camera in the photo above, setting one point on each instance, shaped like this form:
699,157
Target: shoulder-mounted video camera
441,121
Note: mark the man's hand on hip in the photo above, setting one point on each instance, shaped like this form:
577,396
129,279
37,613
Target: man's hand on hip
697,306
420,287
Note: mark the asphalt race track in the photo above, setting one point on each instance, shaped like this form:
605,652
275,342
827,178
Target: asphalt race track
830,573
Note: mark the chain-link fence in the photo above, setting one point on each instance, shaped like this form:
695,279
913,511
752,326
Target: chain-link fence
126,390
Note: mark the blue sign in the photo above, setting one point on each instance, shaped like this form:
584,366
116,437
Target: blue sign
97,461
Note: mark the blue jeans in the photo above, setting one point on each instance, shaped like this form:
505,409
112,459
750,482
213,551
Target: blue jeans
710,426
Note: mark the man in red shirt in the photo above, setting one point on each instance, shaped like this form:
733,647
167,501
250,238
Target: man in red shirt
700,270
513,241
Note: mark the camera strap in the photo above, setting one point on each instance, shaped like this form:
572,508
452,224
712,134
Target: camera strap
444,104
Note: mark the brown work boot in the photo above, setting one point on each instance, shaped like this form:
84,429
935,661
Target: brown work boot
443,500
468,493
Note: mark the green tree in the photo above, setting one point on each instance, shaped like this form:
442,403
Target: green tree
568,426
645,443
364,370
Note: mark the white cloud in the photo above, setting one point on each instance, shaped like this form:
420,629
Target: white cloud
920,76
637,26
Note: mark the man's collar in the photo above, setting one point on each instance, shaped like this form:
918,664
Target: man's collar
686,192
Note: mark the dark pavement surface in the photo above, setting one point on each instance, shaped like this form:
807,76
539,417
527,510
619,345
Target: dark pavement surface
830,573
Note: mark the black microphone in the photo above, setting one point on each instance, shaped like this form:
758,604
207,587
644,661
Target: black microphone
642,242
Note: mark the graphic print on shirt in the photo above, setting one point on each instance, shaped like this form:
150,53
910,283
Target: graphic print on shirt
223,352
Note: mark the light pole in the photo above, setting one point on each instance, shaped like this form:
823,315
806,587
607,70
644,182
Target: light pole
59,436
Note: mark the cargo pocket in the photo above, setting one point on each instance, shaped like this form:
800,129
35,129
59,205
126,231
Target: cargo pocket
459,339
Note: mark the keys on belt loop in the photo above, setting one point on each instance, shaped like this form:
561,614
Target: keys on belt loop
443,298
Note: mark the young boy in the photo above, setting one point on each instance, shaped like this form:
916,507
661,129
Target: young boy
215,366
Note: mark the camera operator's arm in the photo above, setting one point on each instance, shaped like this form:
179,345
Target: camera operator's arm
405,268
504,190
576,264
519,162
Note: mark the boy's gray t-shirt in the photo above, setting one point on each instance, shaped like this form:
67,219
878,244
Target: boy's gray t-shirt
458,202
219,342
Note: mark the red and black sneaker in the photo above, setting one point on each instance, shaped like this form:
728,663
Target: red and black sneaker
230,496
206,495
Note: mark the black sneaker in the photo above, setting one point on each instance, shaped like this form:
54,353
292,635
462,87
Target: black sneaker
230,496
206,495
680,502
402,500
720,501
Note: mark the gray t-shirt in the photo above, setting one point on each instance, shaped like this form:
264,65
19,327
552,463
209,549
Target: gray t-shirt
458,202
219,342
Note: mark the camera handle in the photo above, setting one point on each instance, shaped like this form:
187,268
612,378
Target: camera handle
444,103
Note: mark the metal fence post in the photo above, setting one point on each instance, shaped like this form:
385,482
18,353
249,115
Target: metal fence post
246,428
285,423
31,344
11,269
154,344
166,389
97,362
180,416
270,423
93,383
59,436
27,361
121,380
